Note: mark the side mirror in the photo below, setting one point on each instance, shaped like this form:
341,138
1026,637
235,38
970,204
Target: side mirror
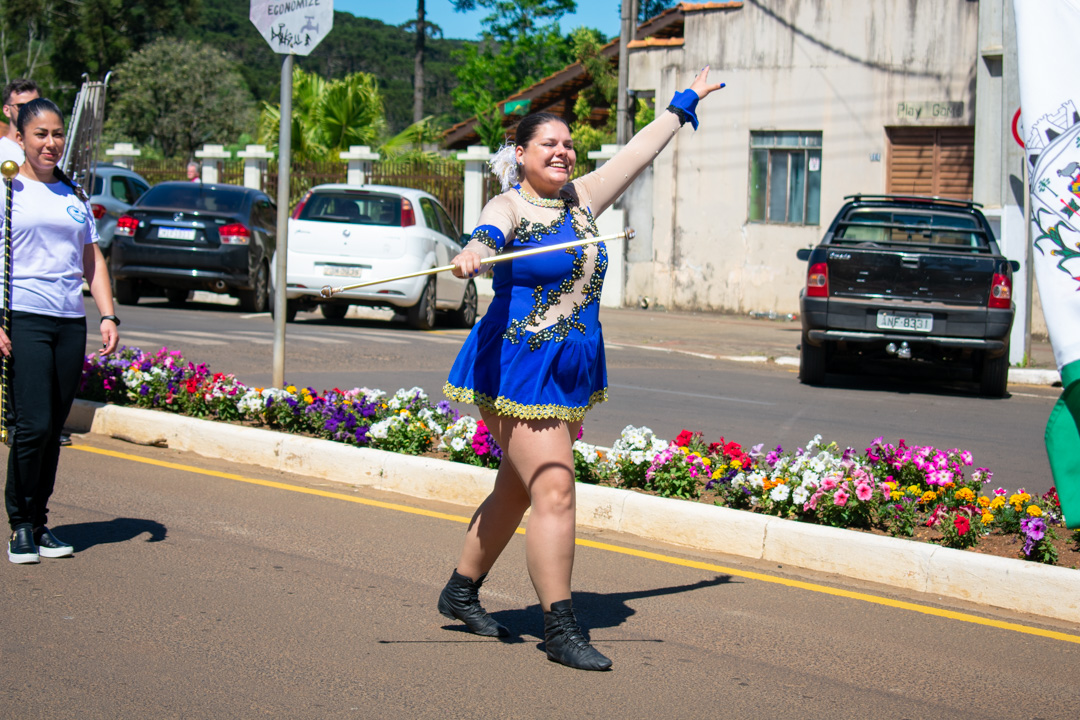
1014,265
803,254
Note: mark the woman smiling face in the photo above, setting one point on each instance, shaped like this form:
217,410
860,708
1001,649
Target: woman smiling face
42,139
547,159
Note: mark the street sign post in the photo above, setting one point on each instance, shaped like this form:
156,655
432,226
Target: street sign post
292,27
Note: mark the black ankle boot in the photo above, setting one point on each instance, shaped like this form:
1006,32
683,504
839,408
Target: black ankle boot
460,600
566,644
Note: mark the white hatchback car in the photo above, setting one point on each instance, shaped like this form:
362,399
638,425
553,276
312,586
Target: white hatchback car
346,234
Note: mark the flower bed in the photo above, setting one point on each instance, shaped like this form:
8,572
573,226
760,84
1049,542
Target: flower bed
918,492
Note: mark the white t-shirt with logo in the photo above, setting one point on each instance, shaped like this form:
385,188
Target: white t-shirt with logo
50,229
10,150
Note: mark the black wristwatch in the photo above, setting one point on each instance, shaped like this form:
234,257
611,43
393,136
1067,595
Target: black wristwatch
115,319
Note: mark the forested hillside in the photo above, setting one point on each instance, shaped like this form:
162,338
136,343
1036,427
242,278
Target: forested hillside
355,44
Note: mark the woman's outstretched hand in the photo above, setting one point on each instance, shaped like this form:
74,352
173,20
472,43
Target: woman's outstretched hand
701,84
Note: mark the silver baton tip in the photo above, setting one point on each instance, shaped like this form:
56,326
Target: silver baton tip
326,291
629,232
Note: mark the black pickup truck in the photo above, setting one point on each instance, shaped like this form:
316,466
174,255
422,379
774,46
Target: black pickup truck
908,278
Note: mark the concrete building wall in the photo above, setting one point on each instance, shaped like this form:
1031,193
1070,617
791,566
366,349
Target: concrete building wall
845,68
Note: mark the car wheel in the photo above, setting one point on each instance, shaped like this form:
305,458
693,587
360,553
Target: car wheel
126,292
177,296
994,375
465,316
257,299
333,311
422,315
812,361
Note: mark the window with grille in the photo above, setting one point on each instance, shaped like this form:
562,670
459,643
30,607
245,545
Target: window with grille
785,177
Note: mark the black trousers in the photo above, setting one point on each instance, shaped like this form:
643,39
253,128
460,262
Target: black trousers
44,371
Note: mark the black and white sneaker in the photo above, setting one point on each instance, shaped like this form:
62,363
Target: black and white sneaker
21,547
50,546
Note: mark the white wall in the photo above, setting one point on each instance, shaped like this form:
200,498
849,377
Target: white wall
840,67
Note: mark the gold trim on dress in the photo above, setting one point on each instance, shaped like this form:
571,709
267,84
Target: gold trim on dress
507,407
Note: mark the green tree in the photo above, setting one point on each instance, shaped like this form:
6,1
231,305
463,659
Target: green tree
178,95
96,36
521,45
24,39
327,116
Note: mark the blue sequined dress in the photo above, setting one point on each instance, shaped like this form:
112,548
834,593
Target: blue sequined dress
538,351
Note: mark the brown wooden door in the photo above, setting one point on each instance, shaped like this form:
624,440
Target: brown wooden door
931,161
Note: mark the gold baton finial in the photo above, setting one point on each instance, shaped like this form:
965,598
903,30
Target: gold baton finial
9,169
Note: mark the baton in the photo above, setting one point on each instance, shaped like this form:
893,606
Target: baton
627,234
9,169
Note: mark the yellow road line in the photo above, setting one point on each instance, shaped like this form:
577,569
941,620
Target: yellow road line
670,560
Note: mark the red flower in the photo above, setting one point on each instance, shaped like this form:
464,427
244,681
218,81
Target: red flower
962,524
684,438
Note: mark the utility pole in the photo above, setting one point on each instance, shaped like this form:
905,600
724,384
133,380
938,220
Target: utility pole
623,121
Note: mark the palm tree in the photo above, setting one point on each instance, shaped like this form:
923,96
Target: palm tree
328,116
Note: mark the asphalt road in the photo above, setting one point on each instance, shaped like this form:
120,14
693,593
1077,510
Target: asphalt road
202,589
665,370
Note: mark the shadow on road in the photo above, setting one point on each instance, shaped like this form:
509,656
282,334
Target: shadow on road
593,610
87,535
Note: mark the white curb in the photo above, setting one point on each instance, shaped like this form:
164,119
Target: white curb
1043,590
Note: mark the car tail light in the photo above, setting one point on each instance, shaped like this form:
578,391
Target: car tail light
300,206
817,280
98,210
1000,291
126,226
408,217
235,234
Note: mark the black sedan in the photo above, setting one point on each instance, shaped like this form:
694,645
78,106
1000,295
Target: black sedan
184,236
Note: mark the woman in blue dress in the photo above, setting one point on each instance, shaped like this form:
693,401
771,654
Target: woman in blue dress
534,364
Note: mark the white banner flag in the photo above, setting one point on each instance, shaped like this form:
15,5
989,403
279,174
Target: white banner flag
1046,41
1047,33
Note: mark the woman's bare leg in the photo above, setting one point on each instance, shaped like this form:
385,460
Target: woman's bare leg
494,522
540,453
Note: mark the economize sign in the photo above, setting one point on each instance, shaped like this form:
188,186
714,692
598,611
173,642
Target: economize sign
293,26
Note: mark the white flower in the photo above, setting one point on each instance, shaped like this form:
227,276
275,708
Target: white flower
588,452
800,495
780,493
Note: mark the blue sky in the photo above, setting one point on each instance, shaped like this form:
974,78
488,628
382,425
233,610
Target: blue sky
600,14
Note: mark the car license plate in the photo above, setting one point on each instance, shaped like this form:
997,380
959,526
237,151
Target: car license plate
175,233
343,270
918,322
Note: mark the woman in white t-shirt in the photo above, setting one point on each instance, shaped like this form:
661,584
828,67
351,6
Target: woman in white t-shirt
53,248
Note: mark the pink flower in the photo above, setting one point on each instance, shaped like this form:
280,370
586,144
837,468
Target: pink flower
828,483
864,492
840,498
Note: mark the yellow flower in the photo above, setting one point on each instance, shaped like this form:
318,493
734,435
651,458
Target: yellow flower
719,473
964,495
984,501
735,464
706,462
914,490
928,497
896,495
290,388
997,503
987,518
1034,510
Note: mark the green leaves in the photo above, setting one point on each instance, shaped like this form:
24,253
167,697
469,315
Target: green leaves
179,95
328,116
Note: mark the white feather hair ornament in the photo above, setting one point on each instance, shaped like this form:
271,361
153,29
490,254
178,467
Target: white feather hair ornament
504,165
